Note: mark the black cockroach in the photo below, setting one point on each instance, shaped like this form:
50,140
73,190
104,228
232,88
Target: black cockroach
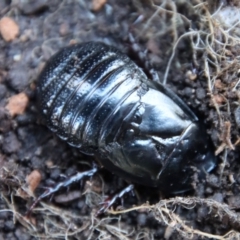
98,100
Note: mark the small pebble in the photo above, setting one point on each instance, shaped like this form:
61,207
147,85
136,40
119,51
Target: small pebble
11,143
20,234
141,219
55,173
200,93
217,197
213,180
3,91
29,7
237,116
9,225
234,201
17,57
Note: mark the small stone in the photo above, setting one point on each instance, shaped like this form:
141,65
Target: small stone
217,197
49,163
191,75
11,143
30,7
18,77
202,212
8,29
3,91
237,116
55,173
234,201
17,104
26,35
21,234
9,225
187,91
200,93
17,57
141,219
213,180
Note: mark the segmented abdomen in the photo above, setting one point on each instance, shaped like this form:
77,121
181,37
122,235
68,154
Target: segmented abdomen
87,91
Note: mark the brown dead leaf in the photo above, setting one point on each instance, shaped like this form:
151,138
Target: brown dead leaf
8,29
33,180
98,4
17,104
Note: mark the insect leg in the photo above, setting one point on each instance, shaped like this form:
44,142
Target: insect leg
77,177
112,199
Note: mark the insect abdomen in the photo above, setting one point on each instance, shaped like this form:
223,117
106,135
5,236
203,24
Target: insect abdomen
84,95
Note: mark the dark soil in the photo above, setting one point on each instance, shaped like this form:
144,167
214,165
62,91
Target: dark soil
212,208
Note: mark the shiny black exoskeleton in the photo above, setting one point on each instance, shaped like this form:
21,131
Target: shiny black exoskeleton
98,100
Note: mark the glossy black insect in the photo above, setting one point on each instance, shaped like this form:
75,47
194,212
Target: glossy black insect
98,100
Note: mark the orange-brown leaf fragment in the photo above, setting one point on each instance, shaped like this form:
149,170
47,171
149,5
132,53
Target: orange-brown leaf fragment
98,4
33,180
17,104
8,29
